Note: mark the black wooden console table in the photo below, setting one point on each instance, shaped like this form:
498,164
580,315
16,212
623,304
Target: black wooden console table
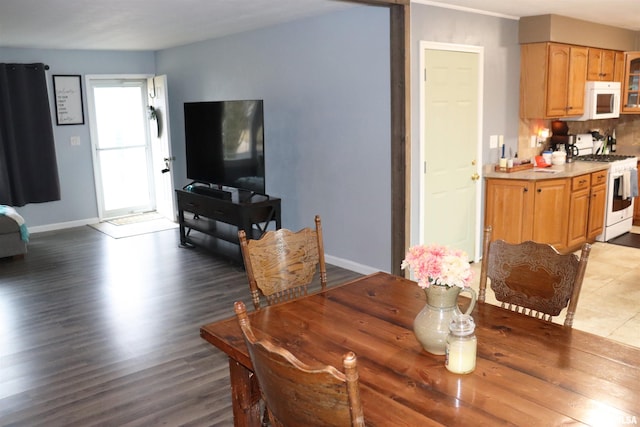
216,221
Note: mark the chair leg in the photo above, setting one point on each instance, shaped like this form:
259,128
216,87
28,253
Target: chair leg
265,416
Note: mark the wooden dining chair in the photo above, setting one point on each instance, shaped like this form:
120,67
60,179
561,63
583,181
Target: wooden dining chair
533,278
282,264
297,394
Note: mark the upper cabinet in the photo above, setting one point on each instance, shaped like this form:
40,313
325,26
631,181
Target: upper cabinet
552,80
618,72
631,84
566,80
553,77
602,65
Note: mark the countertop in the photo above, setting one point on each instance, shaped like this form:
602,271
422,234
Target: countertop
568,170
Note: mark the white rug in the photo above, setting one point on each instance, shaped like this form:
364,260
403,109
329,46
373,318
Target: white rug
132,219
134,229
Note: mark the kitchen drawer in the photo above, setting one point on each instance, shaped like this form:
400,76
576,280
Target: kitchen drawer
599,178
580,182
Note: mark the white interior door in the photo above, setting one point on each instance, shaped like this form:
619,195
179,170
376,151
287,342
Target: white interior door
161,146
121,145
451,96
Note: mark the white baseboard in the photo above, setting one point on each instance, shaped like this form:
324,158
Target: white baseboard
62,225
350,265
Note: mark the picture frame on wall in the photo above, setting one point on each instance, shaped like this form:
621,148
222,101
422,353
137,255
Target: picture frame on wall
68,97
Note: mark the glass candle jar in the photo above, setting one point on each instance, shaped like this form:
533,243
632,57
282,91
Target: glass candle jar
461,345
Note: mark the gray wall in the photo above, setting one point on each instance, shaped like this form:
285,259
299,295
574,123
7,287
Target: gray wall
325,85
75,166
499,38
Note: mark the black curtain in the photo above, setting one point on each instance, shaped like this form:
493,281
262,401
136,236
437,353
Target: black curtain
28,169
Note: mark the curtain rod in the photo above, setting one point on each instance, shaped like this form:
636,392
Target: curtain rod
46,67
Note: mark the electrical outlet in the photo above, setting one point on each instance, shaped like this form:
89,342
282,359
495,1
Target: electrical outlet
493,141
75,140
534,141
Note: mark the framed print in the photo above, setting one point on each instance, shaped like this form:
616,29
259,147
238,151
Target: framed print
68,92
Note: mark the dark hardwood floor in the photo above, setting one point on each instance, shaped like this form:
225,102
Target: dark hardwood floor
102,331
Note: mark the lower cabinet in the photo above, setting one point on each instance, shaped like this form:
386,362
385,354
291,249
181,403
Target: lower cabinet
563,212
551,210
597,204
521,210
579,209
509,209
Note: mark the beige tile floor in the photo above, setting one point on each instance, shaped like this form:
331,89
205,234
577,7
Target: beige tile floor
609,303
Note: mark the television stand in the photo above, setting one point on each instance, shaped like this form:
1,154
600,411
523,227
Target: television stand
213,223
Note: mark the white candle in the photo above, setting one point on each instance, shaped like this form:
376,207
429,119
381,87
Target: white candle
461,354
461,345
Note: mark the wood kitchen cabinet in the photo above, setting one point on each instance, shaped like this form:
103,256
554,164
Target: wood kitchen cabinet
597,204
520,210
550,212
509,209
601,65
618,71
631,84
579,209
586,208
552,80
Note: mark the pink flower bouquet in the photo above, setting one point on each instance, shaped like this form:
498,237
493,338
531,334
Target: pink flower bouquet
438,265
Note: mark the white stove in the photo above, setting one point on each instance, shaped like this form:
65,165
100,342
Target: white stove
619,206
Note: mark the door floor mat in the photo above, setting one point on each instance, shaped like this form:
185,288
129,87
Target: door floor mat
134,229
631,240
132,219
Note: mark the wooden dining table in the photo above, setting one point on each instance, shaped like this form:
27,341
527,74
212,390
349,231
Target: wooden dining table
528,373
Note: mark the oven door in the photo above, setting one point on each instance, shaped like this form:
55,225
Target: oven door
619,206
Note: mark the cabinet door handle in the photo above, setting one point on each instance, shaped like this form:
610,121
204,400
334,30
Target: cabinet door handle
526,189
539,190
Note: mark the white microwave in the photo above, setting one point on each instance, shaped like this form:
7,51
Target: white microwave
601,101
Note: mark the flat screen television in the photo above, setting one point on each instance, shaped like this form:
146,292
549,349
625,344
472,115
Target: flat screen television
225,143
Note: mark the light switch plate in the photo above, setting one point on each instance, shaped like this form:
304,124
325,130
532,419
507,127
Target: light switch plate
493,141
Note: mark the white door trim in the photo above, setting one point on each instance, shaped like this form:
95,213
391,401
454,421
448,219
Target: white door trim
158,97
478,214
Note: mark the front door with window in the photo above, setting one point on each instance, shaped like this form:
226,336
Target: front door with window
120,142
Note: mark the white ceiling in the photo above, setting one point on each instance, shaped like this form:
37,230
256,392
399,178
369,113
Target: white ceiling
160,24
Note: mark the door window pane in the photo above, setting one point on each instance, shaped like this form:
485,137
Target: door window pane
124,178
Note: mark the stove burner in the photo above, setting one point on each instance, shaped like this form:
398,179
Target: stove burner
607,158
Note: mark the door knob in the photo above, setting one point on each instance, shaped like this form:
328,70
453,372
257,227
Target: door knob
475,177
